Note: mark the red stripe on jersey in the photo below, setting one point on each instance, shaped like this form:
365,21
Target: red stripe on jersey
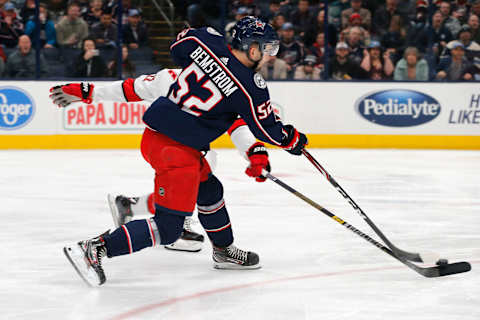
129,240
129,90
252,108
238,123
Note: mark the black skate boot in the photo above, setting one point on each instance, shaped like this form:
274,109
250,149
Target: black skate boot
121,208
233,258
86,257
190,240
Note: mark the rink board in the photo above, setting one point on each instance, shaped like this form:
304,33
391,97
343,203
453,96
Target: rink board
334,115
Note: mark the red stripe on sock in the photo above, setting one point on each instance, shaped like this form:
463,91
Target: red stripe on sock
129,240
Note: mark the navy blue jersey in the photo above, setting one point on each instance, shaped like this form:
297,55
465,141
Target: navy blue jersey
211,92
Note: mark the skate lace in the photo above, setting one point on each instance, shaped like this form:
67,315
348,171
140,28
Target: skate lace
101,253
187,224
236,253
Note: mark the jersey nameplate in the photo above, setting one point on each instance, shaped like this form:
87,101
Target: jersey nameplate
214,71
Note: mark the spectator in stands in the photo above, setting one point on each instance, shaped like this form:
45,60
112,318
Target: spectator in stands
317,26
308,70
301,17
343,67
356,7
406,8
273,9
274,69
72,29
89,64
383,15
472,48
28,11
335,10
450,22
11,28
93,13
411,66
57,9
455,67
378,67
112,6
475,8
435,35
318,49
291,50
105,32
128,68
473,23
21,63
355,41
355,20
460,14
83,4
277,23
135,32
395,38
48,35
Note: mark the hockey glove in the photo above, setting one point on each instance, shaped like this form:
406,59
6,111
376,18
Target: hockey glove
67,94
258,156
295,141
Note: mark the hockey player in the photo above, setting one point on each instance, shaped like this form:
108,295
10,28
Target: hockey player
215,86
149,88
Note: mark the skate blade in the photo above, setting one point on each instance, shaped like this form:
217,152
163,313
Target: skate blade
185,245
113,210
76,256
233,266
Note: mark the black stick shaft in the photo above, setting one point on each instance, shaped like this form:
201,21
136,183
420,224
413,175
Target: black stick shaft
430,272
407,255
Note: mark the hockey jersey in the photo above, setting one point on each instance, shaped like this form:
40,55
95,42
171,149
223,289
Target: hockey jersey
150,87
210,93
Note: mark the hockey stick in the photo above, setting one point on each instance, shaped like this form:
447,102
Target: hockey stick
429,272
399,252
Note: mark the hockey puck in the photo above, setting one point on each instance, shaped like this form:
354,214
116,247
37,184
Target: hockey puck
442,262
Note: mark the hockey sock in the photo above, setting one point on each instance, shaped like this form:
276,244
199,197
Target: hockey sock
212,212
131,237
170,226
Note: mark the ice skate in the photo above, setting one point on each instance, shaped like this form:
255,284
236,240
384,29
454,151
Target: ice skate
121,209
233,258
86,258
190,240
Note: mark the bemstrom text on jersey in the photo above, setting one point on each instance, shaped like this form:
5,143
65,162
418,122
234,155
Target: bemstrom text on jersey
214,71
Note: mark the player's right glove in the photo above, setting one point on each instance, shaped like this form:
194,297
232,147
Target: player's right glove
295,141
67,94
258,156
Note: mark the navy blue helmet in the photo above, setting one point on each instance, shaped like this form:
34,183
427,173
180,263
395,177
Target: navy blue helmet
250,30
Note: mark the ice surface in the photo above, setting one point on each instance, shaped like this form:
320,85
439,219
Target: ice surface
313,268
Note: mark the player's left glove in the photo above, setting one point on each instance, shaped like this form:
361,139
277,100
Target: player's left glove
67,94
258,156
295,141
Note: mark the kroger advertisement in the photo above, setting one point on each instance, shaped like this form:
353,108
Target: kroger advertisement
335,108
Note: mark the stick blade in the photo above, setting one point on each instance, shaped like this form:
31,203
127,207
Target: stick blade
446,270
